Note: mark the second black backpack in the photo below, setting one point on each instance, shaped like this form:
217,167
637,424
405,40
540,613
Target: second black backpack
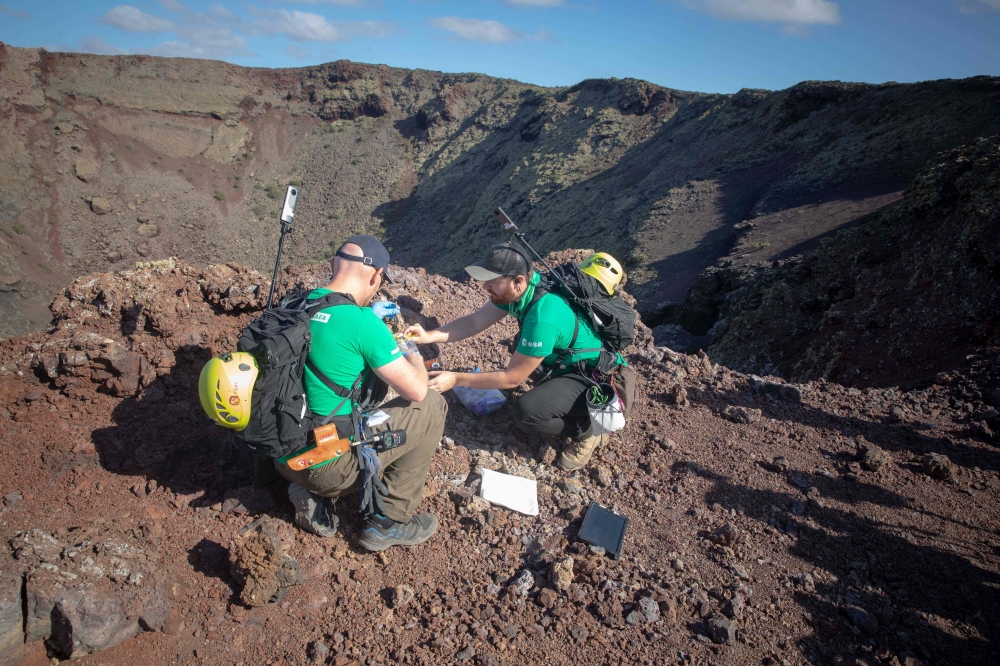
613,320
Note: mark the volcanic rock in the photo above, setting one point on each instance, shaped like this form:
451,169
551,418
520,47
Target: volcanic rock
100,205
89,595
938,466
872,457
260,563
738,414
722,630
561,573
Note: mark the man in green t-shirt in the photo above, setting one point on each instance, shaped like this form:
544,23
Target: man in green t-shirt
351,340
557,406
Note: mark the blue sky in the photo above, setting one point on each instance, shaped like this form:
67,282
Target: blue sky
702,45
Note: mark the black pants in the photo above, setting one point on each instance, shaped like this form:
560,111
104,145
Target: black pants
558,407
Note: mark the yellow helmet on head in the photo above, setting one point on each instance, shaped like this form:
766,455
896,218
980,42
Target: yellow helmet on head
605,269
224,388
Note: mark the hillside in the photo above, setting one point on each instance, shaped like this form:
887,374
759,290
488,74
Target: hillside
769,522
112,160
908,293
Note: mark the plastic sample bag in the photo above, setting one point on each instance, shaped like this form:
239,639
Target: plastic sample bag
607,413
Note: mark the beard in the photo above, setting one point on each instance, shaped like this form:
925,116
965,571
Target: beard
506,298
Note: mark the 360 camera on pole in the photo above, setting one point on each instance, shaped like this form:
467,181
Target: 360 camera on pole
287,215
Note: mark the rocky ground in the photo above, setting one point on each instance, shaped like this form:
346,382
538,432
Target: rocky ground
113,160
770,523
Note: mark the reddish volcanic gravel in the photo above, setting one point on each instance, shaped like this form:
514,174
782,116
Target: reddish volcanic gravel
769,523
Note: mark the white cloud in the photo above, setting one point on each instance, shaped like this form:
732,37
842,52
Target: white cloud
792,12
133,19
16,13
308,27
97,46
303,26
476,30
977,6
199,42
297,52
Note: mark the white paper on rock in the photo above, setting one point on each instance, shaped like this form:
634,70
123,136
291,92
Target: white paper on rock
512,492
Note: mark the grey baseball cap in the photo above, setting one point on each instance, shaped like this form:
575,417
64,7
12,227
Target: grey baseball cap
508,259
374,253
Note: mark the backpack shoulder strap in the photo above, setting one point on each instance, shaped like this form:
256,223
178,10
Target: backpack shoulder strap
328,301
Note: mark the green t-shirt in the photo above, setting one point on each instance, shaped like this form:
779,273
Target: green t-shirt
548,327
346,340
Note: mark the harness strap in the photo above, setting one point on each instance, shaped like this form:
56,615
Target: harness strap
563,353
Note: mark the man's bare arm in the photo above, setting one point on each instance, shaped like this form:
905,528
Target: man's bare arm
407,376
464,327
517,371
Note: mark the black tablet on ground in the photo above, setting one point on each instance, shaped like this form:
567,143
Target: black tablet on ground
604,528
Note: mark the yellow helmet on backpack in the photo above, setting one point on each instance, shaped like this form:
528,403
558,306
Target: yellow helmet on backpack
224,388
605,269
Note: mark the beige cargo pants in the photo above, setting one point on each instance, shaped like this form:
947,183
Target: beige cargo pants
404,468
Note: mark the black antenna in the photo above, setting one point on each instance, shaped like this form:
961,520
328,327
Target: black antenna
509,225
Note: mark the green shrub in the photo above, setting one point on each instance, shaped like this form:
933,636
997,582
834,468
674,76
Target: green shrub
273,191
297,182
219,195
259,211
18,229
129,146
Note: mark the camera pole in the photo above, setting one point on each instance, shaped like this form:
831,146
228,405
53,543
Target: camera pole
287,215
285,229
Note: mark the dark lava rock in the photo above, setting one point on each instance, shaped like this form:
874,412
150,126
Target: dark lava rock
741,414
725,535
733,608
862,619
938,466
89,595
318,652
722,630
872,458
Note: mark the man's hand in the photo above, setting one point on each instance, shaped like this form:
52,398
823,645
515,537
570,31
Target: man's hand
419,336
441,380
385,310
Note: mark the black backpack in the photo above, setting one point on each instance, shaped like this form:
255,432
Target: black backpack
280,417
613,320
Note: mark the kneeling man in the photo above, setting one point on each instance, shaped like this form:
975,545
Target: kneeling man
555,343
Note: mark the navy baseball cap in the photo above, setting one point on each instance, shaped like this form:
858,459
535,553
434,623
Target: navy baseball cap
374,253
508,259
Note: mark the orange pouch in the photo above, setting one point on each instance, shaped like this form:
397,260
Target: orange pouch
329,445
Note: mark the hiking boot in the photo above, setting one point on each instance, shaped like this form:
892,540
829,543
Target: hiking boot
577,454
312,512
381,532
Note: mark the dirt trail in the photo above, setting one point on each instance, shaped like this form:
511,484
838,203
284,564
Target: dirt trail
769,523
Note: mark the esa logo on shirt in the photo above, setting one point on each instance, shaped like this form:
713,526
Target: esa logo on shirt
321,317
525,343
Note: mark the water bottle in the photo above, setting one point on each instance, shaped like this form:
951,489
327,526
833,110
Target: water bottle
479,401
